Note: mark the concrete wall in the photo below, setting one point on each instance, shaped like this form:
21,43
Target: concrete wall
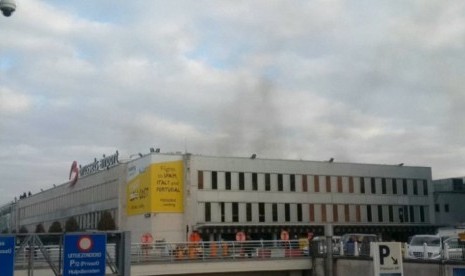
357,267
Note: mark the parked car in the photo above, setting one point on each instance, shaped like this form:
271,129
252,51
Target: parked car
425,247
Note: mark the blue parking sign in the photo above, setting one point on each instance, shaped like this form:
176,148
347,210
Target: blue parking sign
84,254
7,255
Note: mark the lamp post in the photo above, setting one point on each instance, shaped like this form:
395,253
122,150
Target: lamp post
7,7
329,249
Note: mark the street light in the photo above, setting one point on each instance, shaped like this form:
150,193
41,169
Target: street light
7,7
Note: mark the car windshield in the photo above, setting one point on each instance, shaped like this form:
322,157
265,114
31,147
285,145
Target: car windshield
430,241
452,242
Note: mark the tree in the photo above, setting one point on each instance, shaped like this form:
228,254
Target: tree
40,228
23,229
106,222
55,227
71,225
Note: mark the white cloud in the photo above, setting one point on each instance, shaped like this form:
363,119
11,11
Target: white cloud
11,102
359,81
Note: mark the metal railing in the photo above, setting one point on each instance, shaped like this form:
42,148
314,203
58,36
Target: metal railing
220,250
173,252
215,250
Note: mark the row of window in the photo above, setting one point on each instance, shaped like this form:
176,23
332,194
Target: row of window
296,212
90,220
437,208
72,199
219,180
85,221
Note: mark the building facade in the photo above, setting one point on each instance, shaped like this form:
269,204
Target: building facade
448,201
169,196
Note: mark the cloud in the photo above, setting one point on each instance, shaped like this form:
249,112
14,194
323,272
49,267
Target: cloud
370,82
13,103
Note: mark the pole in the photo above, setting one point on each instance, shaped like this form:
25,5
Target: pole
30,271
329,250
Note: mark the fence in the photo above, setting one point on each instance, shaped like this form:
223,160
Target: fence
218,250
226,250
46,250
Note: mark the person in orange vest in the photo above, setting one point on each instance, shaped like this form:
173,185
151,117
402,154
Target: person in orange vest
213,249
224,249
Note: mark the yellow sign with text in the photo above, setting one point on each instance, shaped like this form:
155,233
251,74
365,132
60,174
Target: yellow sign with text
139,195
158,189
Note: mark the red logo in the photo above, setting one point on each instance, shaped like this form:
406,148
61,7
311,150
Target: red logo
85,244
146,238
73,173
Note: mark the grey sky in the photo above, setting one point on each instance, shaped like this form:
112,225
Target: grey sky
360,81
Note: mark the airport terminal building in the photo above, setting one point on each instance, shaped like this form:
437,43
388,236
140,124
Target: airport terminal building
171,195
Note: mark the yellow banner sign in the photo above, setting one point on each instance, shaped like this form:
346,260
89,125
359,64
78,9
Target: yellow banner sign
158,189
138,195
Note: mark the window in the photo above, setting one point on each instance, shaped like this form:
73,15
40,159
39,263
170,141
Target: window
394,186
351,185
425,187
311,212
316,183
436,208
292,183
406,217
248,208
280,182
299,212
274,208
254,182
362,185
422,214
241,181
358,213
391,213
369,218
304,183
261,212
235,212
380,213
207,212
214,181
200,180
373,185
339,184
335,213
323,213
328,184
346,213
383,186
415,187
267,182
446,208
228,180
412,214
287,212
457,184
223,218
404,186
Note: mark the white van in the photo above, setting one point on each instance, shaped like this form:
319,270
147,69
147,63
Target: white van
425,247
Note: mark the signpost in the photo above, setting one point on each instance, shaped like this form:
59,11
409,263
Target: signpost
387,259
7,255
84,254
